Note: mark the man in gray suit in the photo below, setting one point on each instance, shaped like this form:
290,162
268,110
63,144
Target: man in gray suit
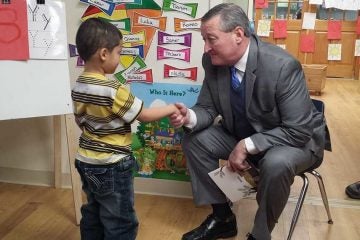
268,119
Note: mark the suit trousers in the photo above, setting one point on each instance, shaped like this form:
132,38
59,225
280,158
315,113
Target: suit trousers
277,166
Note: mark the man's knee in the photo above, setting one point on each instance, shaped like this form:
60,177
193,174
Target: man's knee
194,140
188,141
276,164
212,142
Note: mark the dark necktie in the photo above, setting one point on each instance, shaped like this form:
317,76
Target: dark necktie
235,83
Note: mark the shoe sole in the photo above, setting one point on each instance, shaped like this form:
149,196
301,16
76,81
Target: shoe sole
222,235
226,235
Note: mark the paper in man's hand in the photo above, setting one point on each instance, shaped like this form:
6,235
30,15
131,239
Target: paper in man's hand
233,185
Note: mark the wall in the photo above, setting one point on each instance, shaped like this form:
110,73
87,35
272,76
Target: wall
26,150
26,145
347,67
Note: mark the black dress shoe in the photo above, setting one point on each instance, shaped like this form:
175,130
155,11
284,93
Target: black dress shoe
250,237
353,190
213,228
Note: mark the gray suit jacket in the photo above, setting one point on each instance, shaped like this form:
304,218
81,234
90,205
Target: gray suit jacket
278,105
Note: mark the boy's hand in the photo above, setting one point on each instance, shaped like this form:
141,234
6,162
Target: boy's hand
180,118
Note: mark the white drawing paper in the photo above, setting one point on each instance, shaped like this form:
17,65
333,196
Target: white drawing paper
309,20
233,185
47,30
334,51
263,29
357,47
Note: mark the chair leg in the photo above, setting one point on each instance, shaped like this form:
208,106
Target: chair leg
323,194
298,205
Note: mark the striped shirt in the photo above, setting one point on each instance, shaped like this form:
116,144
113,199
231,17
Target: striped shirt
104,110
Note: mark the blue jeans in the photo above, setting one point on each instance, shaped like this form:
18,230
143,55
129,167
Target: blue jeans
109,213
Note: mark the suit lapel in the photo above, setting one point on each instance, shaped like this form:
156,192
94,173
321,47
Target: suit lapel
251,66
223,75
250,81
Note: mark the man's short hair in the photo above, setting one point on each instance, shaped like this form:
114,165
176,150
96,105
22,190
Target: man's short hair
231,16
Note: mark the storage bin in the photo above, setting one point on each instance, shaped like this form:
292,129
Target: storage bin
315,75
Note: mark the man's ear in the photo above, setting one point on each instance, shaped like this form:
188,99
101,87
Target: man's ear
239,34
103,52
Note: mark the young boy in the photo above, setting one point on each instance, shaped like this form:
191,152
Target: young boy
104,110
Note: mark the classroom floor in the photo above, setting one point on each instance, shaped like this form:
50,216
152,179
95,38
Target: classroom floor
44,213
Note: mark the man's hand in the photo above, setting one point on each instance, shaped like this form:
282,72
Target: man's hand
181,118
237,159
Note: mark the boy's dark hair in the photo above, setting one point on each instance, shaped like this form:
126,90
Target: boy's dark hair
94,34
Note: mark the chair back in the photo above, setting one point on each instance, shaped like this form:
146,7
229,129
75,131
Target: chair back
320,106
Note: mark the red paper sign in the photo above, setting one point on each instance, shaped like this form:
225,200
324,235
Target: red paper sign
280,29
261,3
334,30
170,71
14,43
307,43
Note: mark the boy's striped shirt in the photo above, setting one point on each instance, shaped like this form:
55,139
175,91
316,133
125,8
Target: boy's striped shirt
104,110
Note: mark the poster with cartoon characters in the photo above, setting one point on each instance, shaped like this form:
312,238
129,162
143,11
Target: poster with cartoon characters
161,64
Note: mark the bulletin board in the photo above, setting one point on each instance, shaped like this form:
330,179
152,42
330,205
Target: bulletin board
33,60
160,63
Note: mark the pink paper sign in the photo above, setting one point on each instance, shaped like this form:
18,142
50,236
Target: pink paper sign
14,43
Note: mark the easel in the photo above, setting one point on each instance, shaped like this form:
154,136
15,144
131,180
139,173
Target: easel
38,94
72,146
75,179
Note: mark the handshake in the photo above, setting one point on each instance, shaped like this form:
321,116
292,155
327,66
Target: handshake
180,115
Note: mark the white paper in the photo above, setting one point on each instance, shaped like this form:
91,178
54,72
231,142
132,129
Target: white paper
357,47
342,4
263,29
330,3
309,20
283,46
233,185
47,30
316,2
350,5
334,51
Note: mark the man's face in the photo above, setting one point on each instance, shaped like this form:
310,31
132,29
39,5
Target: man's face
223,47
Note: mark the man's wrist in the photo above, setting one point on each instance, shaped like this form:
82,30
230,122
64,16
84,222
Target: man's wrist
250,146
247,152
191,117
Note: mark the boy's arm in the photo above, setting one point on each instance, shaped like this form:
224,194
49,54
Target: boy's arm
156,113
